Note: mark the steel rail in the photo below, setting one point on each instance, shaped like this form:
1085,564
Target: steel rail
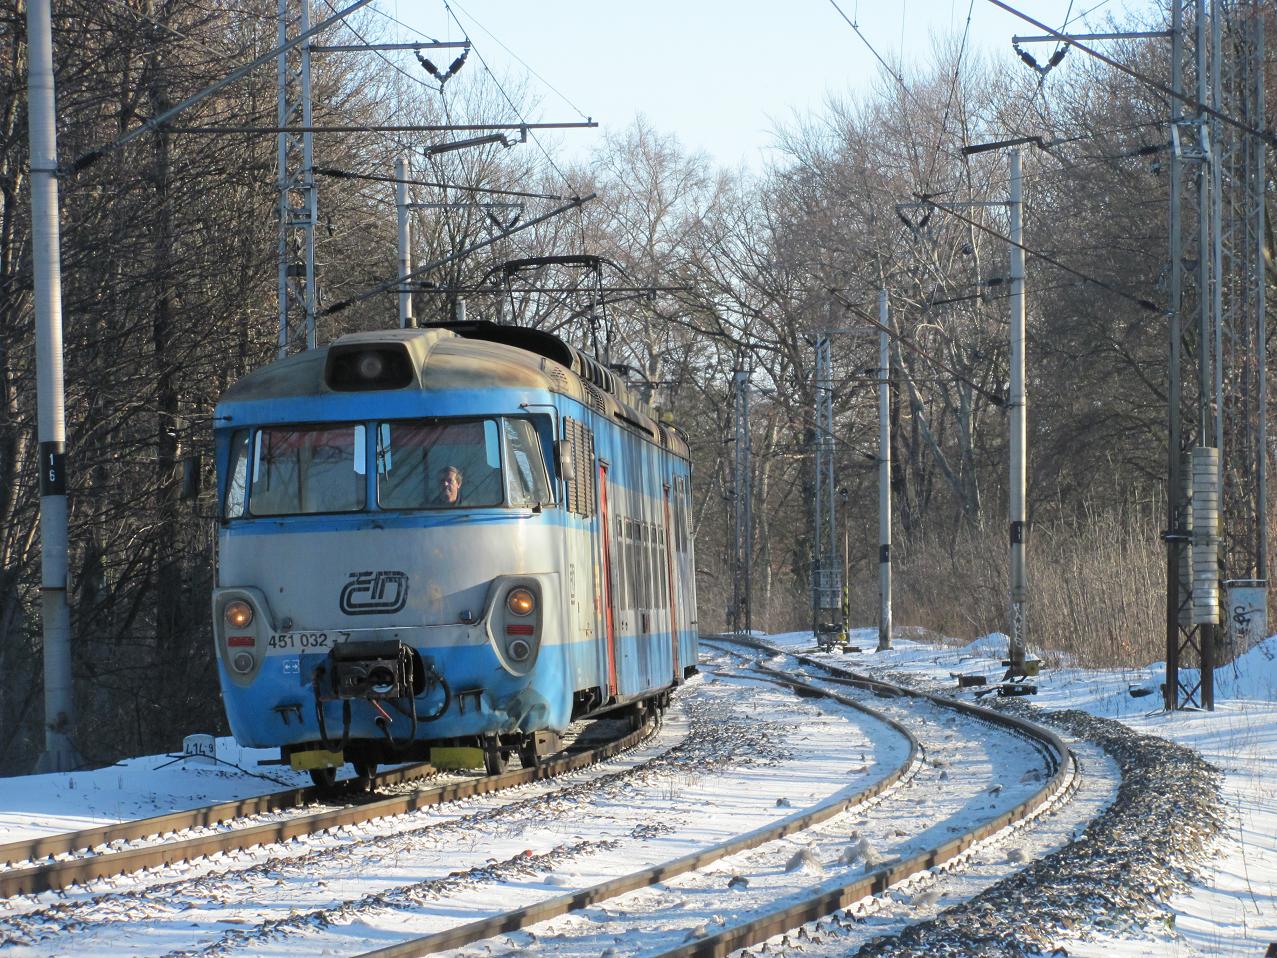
575,901
830,900
46,846
60,874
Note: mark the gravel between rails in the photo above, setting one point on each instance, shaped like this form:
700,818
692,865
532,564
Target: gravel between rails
1116,877
691,906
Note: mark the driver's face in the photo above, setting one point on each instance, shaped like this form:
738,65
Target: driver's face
449,485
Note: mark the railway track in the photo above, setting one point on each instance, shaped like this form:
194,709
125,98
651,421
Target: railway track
456,860
77,857
791,914
336,889
605,891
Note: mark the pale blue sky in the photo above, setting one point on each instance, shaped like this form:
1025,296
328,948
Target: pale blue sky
719,74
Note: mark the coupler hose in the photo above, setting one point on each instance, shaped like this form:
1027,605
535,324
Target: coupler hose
383,721
319,715
434,676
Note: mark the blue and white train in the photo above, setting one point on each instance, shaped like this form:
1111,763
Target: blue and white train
460,537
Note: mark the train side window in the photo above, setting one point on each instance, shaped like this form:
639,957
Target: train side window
237,476
645,557
679,518
299,470
618,561
685,520
656,566
640,600
644,562
635,569
526,482
627,547
665,584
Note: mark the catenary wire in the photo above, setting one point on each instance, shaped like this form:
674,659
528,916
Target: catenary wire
497,40
381,56
1047,258
349,175
484,63
1266,136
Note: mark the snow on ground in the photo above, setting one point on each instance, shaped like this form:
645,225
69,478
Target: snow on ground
1232,908
32,805
1230,911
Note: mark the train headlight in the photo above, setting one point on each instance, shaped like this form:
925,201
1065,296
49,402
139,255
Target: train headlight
521,602
519,650
243,662
370,366
239,614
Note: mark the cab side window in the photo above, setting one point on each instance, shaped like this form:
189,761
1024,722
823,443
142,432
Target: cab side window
526,482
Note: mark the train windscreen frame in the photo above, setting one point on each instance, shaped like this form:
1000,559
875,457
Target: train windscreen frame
321,468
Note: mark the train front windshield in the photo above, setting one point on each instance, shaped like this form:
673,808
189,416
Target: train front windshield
417,464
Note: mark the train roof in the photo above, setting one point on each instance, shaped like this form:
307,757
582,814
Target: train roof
472,355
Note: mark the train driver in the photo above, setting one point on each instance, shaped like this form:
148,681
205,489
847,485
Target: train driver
450,478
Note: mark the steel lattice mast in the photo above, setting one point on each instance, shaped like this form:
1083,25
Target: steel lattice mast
1216,460
297,211
826,577
1241,340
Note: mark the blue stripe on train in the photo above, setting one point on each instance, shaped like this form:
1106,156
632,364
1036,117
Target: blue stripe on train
279,707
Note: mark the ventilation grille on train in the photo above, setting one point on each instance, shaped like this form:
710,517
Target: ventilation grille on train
580,491
597,401
557,375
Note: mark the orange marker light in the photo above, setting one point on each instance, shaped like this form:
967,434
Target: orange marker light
239,615
521,602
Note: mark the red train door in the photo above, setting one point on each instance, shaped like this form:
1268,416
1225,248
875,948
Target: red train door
671,583
605,523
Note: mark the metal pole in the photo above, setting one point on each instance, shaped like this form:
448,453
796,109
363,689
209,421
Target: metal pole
1175,506
298,209
406,319
308,180
831,597
1017,404
826,587
744,526
1204,258
1217,236
818,472
59,700
884,478
1261,336
281,167
1208,290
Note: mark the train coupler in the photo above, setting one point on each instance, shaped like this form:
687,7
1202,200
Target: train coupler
368,670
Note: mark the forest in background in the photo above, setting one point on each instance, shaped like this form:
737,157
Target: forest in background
169,276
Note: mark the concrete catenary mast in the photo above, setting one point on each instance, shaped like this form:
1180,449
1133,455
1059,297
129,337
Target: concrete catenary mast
1018,409
743,528
59,701
884,475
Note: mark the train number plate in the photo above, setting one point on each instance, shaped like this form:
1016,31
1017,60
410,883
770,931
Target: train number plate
298,641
